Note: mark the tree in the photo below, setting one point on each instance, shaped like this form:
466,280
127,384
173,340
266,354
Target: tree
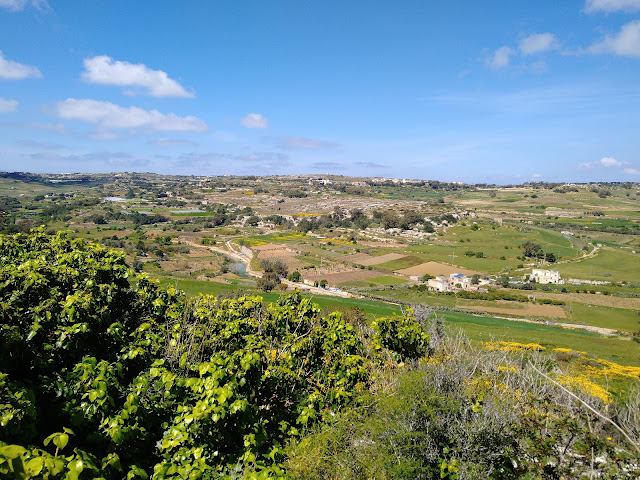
390,220
550,257
294,276
276,266
531,250
268,281
253,220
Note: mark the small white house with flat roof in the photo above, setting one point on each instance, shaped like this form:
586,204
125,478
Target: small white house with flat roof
439,284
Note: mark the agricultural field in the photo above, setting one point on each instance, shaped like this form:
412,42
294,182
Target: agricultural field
367,240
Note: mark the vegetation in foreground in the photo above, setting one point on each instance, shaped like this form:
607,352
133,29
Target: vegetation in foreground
104,374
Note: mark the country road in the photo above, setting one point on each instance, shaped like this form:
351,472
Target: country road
236,255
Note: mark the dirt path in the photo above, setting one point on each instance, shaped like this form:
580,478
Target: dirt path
584,256
571,326
237,255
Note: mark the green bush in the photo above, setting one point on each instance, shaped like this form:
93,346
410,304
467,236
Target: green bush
106,374
402,335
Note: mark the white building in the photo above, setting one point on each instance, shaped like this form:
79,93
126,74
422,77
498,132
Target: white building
456,279
439,284
546,276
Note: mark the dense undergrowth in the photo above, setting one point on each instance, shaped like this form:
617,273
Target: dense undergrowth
104,374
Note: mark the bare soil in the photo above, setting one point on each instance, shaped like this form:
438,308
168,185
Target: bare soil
366,260
280,253
523,309
435,269
382,244
269,246
341,277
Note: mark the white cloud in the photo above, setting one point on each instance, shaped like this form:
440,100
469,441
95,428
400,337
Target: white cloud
303,143
500,58
254,120
11,70
169,142
631,171
370,165
8,106
625,43
108,115
592,6
538,42
17,5
38,144
107,71
327,166
605,162
610,162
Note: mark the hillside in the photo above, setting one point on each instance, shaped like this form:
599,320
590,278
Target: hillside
106,374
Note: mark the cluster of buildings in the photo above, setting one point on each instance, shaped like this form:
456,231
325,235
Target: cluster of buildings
455,282
458,281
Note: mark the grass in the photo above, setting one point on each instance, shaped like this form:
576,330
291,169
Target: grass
276,238
389,280
491,242
616,318
488,328
193,287
400,263
609,264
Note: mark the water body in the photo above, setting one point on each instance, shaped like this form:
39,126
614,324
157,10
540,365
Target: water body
113,199
239,268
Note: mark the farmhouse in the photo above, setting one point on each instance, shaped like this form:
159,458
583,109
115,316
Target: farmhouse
546,276
454,283
459,280
439,284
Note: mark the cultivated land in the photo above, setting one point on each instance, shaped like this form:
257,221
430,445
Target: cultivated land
372,241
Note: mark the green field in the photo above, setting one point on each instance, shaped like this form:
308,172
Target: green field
503,241
610,264
483,328
404,262
616,318
492,329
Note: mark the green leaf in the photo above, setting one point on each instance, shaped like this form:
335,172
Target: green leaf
34,466
61,440
12,451
183,360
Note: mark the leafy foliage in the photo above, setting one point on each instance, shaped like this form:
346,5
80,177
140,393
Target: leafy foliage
467,413
103,373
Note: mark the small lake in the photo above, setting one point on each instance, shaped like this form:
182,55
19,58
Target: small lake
113,199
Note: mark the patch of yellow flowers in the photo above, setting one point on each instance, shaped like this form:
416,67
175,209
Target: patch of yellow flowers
514,346
583,384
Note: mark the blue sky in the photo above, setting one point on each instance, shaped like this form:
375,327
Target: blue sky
496,91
